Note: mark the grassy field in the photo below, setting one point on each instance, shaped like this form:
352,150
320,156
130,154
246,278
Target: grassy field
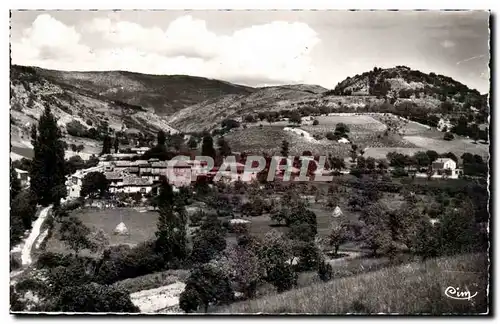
141,226
415,288
366,131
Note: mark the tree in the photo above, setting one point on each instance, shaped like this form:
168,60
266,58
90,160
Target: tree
339,235
274,255
330,136
209,240
315,122
295,117
457,228
448,136
422,159
285,148
75,163
116,144
377,235
94,185
341,130
224,149
79,148
95,298
106,145
15,184
325,271
48,164
247,268
161,138
370,163
192,143
309,256
433,155
207,147
206,285
23,207
336,163
75,234
474,132
426,240
229,124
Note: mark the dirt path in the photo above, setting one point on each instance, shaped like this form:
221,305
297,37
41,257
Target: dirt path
35,232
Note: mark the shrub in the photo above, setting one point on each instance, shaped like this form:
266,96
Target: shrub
75,128
325,271
53,260
448,136
315,122
95,298
330,136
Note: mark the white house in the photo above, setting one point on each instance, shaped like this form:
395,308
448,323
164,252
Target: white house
23,177
445,165
74,181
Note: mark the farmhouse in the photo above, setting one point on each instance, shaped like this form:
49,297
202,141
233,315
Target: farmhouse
445,166
74,181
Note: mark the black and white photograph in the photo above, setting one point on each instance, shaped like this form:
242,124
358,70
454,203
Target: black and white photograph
243,162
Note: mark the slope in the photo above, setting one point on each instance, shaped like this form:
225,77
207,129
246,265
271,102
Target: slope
163,94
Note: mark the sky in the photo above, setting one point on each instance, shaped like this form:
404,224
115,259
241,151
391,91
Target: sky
256,48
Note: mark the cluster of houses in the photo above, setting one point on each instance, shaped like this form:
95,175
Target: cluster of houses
143,176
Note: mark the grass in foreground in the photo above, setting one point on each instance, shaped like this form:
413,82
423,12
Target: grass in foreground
415,288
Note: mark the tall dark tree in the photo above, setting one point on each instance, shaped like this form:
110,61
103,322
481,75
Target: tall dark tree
285,148
106,144
171,238
161,138
116,144
207,147
47,171
15,184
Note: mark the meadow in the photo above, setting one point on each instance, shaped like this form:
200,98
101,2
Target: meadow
141,226
414,288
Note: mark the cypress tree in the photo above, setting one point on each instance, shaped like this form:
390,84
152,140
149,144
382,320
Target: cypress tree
207,147
47,168
15,184
106,145
171,238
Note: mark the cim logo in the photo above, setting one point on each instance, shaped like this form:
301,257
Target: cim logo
456,293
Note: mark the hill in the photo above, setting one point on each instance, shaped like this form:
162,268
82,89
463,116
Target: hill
425,98
209,114
427,90
417,288
82,115
163,94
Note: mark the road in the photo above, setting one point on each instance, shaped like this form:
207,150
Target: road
35,232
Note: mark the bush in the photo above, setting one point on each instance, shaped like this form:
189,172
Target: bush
75,128
315,122
95,298
53,260
330,136
448,136
325,271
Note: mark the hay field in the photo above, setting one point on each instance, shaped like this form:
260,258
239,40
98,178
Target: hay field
141,226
